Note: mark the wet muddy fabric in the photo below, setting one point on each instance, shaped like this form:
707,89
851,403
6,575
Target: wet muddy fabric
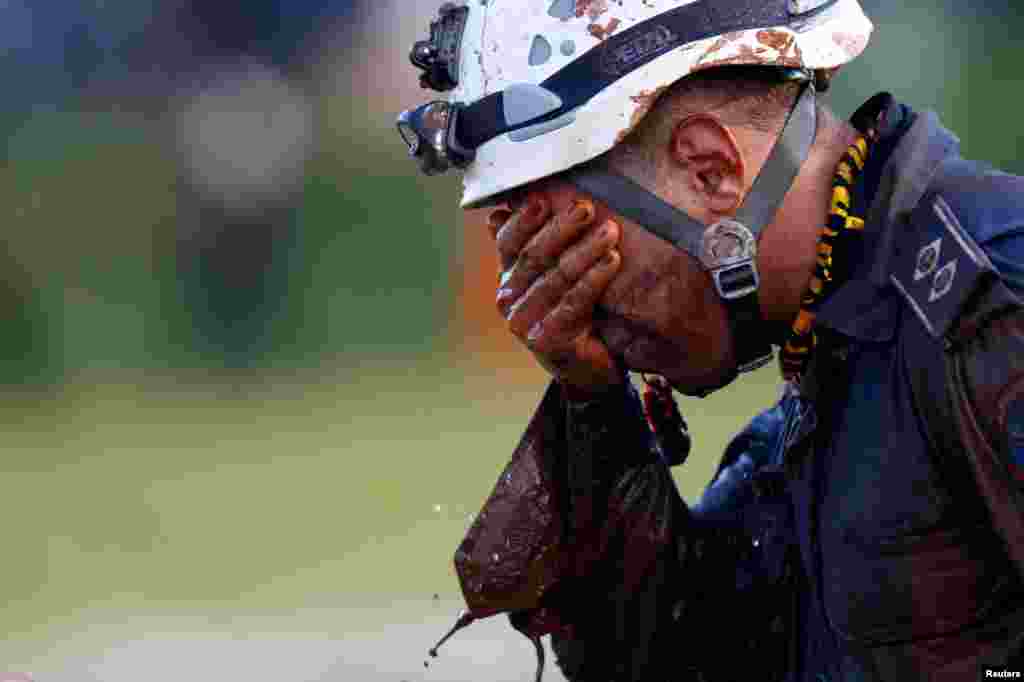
557,516
615,554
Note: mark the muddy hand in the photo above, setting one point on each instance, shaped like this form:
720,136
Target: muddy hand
555,270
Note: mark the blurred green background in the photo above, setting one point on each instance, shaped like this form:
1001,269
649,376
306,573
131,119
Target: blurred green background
248,404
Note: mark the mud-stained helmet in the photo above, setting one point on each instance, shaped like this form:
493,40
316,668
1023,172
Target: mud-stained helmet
537,88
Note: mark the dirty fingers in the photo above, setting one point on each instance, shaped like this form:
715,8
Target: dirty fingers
555,270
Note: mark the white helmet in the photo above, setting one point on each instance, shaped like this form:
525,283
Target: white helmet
540,87
544,85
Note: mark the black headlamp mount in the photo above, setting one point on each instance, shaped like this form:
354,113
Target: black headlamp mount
429,131
438,57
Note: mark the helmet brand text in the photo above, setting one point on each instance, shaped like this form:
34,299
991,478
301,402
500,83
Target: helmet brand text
619,59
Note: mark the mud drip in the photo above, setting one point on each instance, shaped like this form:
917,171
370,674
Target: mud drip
465,620
540,658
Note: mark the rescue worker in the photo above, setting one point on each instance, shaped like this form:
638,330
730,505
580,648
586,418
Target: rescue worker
679,203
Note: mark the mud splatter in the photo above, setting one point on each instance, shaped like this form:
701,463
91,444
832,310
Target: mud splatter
592,8
852,44
746,55
723,40
785,44
777,40
787,52
645,100
715,47
602,32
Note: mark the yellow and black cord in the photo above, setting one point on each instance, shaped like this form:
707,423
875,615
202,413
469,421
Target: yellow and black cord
833,248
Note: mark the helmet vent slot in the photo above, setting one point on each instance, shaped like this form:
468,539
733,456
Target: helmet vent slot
540,51
563,9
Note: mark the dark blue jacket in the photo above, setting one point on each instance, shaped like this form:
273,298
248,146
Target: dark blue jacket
902,573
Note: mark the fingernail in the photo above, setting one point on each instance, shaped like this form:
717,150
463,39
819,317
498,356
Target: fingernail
609,227
582,211
535,331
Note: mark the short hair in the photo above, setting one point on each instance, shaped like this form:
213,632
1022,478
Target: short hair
751,96
754,97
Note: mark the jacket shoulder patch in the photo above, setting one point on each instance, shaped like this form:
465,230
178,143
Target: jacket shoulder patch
938,265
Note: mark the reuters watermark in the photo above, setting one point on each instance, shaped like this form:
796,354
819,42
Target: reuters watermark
1001,674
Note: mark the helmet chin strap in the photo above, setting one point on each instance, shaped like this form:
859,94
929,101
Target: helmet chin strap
727,249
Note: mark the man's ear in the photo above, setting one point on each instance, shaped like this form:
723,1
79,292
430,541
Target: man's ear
708,155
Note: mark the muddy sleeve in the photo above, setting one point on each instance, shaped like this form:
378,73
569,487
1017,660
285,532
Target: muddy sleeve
656,593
